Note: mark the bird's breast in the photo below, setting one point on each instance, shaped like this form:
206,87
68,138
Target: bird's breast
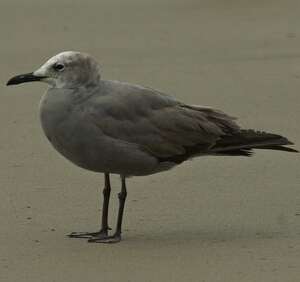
62,126
73,134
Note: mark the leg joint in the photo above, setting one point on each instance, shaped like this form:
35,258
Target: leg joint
122,195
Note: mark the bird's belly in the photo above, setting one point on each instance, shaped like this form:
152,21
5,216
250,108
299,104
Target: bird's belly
85,146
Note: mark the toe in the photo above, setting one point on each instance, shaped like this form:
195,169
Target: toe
106,240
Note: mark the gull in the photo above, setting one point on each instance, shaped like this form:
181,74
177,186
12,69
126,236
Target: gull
114,127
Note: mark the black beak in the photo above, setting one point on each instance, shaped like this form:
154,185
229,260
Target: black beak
27,77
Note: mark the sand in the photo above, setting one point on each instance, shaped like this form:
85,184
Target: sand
212,219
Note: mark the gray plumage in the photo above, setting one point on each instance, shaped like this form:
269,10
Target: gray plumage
116,127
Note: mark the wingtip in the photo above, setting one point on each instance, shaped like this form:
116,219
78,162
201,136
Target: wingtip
288,142
291,149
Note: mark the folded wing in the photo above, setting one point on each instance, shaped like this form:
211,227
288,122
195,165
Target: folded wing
159,124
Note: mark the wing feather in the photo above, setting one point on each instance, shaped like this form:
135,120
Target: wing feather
156,122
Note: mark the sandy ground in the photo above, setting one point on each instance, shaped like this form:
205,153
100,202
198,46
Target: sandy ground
213,219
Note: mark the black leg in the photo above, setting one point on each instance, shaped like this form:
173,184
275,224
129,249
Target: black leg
117,235
122,198
106,196
103,233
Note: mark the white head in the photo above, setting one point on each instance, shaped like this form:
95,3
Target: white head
68,69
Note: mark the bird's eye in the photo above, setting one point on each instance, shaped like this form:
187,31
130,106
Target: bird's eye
58,67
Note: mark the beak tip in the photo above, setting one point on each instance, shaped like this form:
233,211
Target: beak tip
14,80
8,83
27,77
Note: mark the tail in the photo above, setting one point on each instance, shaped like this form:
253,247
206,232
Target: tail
242,143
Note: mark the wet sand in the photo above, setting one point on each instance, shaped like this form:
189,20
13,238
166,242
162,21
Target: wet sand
212,219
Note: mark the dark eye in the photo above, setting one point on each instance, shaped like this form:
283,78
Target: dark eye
58,67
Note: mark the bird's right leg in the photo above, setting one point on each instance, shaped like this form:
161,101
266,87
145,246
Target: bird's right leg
103,233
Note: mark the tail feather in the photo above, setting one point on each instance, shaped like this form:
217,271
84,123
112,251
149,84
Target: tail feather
239,144
246,140
278,148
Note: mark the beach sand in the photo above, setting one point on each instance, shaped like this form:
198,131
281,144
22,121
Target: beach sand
210,219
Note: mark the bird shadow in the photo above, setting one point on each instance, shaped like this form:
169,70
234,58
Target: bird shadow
176,237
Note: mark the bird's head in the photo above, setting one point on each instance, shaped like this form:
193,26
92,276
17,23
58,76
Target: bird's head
68,69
